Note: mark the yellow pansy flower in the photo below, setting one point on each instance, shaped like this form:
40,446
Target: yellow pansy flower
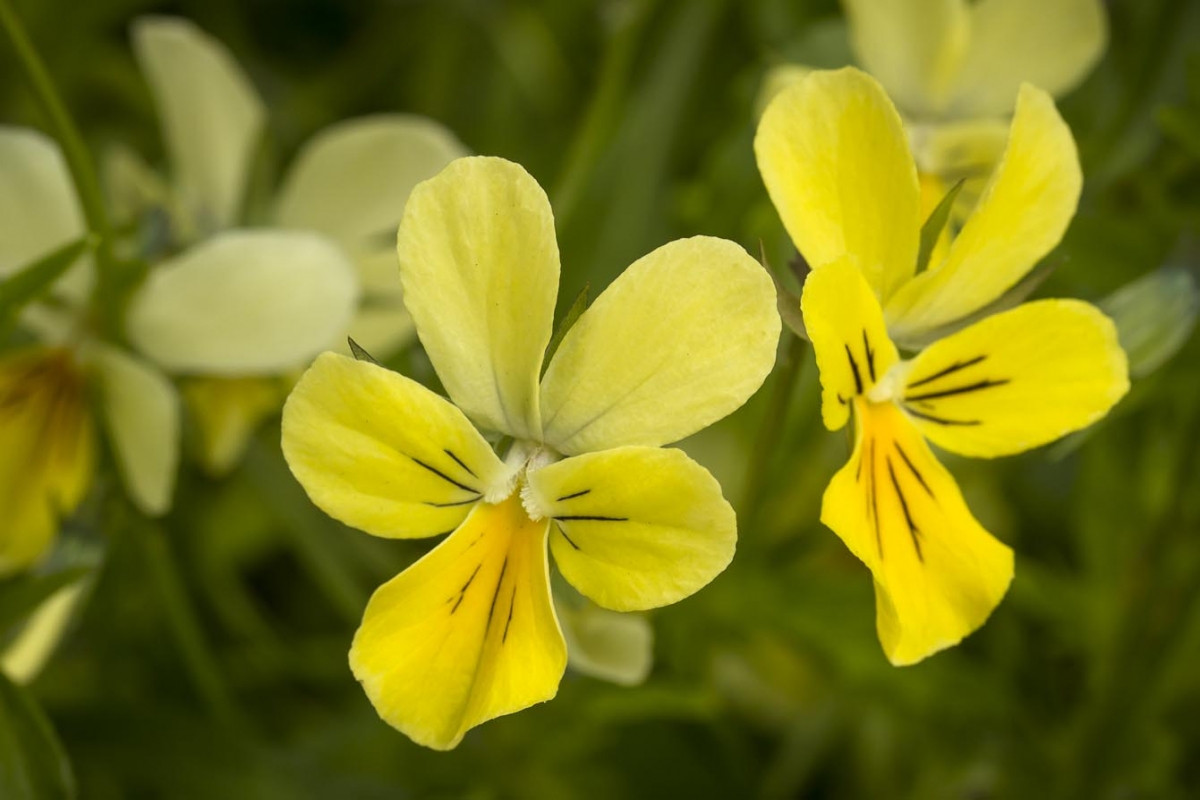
832,153
340,201
678,341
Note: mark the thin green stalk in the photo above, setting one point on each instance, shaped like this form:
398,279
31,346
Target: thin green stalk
771,432
79,163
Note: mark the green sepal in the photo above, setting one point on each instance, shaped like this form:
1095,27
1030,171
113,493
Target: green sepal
32,281
573,314
933,227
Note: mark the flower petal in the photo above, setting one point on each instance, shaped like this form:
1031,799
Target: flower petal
383,453
1021,217
479,266
351,181
244,303
382,324
1018,379
226,412
938,573
914,47
681,339
466,634
141,414
211,115
607,645
1050,45
48,455
849,339
635,527
832,151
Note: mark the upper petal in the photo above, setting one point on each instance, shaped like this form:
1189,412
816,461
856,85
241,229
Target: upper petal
914,47
849,339
211,115
635,527
479,267
1018,379
1050,45
1021,217
679,340
938,573
351,180
141,414
834,157
244,302
466,634
382,453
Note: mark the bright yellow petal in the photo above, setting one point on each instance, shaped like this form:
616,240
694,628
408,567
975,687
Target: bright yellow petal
1018,379
681,339
1021,217
211,116
635,527
383,453
479,267
914,47
226,412
466,634
849,339
834,157
938,573
48,451
1050,45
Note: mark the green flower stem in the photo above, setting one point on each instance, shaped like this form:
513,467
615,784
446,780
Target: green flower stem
79,163
771,431
185,627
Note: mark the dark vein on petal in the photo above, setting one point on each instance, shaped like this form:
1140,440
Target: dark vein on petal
858,386
512,603
459,461
570,541
444,476
912,528
468,501
971,387
955,367
870,355
941,420
499,583
916,472
591,519
573,496
463,591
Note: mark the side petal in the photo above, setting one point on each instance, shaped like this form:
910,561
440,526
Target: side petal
351,181
607,645
384,454
634,527
1050,45
226,412
1018,379
848,335
679,340
141,414
465,635
914,47
244,303
211,115
833,155
1021,217
479,266
938,573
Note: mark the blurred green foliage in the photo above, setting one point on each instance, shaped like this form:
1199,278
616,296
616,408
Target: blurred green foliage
209,659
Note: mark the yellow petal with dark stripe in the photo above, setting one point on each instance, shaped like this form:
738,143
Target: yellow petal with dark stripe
938,573
466,634
848,335
635,527
1018,379
382,453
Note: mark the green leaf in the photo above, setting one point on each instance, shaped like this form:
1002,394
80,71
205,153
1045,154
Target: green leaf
359,353
28,283
573,314
934,226
21,595
33,765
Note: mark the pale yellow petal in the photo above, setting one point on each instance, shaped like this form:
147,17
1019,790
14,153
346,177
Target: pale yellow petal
849,339
914,47
1021,217
211,115
681,339
384,454
479,267
938,573
466,634
381,325
1018,379
1052,45
834,157
610,646
634,527
226,412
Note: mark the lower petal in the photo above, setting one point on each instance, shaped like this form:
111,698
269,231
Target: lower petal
938,573
466,634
